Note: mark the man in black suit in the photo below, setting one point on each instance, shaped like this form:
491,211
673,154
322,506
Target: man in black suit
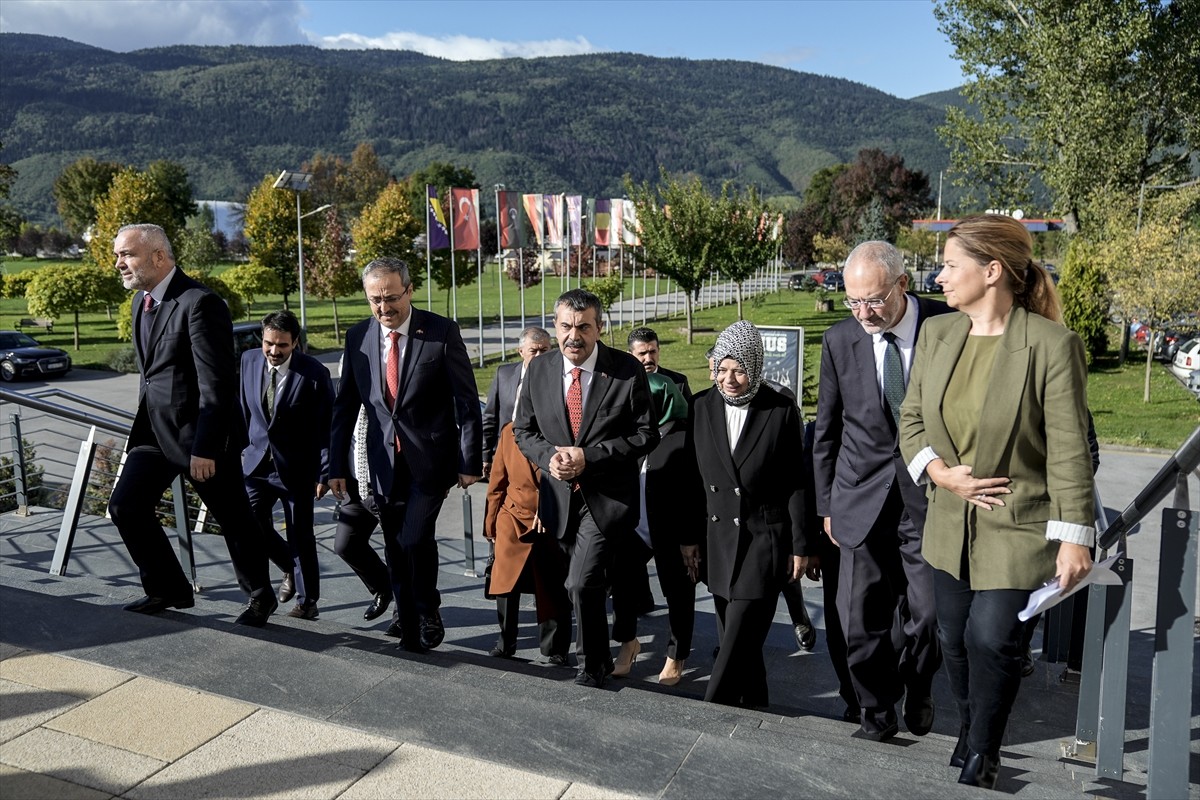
410,369
643,345
585,419
287,402
870,506
187,421
502,395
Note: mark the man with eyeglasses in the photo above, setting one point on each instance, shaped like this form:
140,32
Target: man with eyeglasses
410,369
872,511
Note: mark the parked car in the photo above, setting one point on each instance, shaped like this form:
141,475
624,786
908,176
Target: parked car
1193,383
931,284
22,356
1166,344
834,282
796,282
1187,359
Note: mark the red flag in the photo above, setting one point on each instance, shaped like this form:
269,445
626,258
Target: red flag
512,231
466,218
533,210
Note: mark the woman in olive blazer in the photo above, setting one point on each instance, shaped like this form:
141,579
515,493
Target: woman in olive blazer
995,423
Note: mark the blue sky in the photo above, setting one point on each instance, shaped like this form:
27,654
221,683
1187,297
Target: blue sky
892,45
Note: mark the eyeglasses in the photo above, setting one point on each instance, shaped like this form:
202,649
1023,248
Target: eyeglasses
390,300
875,303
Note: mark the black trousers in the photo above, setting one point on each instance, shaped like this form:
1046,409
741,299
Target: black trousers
885,600
588,574
296,555
133,507
739,675
357,520
982,641
544,574
629,572
835,638
408,517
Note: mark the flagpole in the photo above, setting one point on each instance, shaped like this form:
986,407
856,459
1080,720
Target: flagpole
479,281
521,282
500,272
453,280
428,257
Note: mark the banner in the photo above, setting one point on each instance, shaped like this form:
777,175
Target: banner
601,214
552,204
575,217
508,220
615,217
466,218
629,225
435,228
533,210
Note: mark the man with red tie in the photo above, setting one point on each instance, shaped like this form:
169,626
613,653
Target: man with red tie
410,369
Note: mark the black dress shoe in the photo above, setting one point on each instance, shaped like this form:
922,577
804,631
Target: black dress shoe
395,630
378,605
877,726
959,756
502,650
852,714
918,714
153,605
258,611
806,637
432,630
980,770
554,660
305,610
287,589
593,679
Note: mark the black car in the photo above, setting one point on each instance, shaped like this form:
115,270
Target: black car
834,282
931,284
21,356
796,282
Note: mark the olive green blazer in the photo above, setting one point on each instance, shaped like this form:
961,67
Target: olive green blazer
1032,430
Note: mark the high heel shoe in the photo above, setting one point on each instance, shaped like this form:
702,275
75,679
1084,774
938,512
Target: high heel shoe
959,756
671,673
625,658
980,769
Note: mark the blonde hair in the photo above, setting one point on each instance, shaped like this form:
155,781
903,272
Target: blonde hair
996,237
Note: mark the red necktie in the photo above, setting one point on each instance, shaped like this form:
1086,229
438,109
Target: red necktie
147,320
393,376
575,403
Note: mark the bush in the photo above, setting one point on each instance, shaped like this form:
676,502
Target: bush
36,492
123,360
1084,298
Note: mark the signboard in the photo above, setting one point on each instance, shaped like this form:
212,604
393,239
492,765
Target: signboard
783,358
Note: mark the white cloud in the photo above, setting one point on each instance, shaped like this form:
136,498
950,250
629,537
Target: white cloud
790,57
457,48
124,25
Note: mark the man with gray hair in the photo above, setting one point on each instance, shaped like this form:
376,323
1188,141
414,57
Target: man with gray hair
188,421
871,509
502,396
410,369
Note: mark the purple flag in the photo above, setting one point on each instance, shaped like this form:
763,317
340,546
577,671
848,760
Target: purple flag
439,236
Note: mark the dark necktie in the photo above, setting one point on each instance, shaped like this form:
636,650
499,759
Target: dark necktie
147,320
893,376
575,403
272,388
393,376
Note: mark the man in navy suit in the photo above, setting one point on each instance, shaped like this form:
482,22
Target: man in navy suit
410,369
872,510
287,402
187,422
502,396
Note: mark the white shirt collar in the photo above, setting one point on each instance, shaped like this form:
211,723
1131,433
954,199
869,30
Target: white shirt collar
587,366
160,290
905,330
404,326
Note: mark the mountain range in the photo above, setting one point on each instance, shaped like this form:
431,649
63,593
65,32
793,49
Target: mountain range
573,124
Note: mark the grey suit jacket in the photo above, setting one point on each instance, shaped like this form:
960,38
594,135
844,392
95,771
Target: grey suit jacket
618,428
501,400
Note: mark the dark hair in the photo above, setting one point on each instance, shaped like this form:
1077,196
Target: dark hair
580,300
997,237
387,264
644,335
283,320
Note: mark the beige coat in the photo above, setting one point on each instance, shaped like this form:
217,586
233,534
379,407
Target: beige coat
1032,430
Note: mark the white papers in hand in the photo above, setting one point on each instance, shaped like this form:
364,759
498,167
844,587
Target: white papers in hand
1051,594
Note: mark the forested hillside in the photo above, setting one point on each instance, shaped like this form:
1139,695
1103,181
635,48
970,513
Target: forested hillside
233,114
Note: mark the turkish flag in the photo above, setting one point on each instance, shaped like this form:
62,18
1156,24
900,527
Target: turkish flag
465,213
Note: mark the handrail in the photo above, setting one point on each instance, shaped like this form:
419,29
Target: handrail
1184,460
37,403
54,391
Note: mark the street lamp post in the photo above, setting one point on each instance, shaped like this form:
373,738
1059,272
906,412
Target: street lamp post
298,182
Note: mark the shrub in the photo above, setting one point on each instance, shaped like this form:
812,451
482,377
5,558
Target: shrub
123,360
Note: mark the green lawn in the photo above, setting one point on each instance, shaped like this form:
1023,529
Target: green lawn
1114,393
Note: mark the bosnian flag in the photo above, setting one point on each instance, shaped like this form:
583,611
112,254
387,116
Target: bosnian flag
436,230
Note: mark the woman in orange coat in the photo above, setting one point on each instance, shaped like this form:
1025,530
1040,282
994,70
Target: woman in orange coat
526,558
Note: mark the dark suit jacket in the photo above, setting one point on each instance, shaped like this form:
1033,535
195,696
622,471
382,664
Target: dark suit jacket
188,394
617,429
680,380
297,435
856,458
755,497
674,502
501,399
437,409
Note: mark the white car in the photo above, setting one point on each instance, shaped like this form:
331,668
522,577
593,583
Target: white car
1187,359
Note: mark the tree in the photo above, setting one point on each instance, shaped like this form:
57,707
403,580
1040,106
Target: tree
877,177
680,224
1150,268
63,289
799,228
872,224
77,189
1081,94
133,197
330,274
270,226
444,176
387,228
830,249
348,187
10,221
17,283
250,281
922,244
743,223
172,180
1084,297
197,249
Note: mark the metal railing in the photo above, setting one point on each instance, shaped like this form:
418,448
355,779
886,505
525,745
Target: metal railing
1103,684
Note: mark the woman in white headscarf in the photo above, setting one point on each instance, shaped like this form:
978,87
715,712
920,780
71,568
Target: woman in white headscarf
747,440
